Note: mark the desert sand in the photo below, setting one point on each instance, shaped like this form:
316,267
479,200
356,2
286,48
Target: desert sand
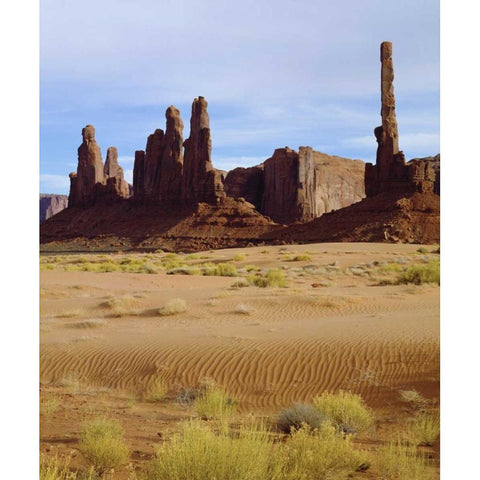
335,326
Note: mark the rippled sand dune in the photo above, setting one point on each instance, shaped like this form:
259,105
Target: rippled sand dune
268,346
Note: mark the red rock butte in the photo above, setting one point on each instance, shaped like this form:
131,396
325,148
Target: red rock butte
179,200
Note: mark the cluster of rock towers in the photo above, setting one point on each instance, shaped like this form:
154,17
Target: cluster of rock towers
391,173
288,187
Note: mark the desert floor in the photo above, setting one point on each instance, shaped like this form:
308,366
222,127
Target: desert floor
340,323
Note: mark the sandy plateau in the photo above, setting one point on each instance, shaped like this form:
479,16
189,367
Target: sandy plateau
340,323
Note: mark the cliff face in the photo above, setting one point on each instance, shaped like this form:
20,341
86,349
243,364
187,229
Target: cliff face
51,204
298,186
434,163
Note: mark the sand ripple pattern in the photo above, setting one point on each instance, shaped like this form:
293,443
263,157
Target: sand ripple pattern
259,374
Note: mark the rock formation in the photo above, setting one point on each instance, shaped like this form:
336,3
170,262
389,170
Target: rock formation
89,170
139,176
94,181
171,160
51,204
298,186
435,164
116,184
391,173
201,182
247,183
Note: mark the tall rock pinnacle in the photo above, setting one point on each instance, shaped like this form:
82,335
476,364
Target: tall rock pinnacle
387,134
89,169
391,173
201,182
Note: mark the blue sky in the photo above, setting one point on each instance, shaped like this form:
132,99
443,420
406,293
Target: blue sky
275,74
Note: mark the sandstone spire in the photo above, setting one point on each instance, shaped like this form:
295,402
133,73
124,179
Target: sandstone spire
171,160
387,134
89,170
391,173
201,182
113,172
138,175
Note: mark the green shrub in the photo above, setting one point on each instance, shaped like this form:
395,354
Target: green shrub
239,257
420,274
425,428
53,468
214,404
102,444
298,415
197,453
422,250
347,411
220,270
274,278
320,455
400,461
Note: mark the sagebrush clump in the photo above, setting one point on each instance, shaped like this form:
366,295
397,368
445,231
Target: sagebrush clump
298,415
347,411
419,274
102,444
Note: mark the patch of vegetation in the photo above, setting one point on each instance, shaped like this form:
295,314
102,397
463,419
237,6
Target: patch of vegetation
298,415
48,406
184,271
220,270
198,453
92,323
121,306
172,307
414,398
422,250
214,404
425,428
102,444
301,258
273,278
54,468
157,390
400,461
239,257
320,454
420,273
347,411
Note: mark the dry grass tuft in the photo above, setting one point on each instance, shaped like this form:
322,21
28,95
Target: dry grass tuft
273,278
54,468
173,307
214,404
424,428
400,461
121,306
414,398
102,444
